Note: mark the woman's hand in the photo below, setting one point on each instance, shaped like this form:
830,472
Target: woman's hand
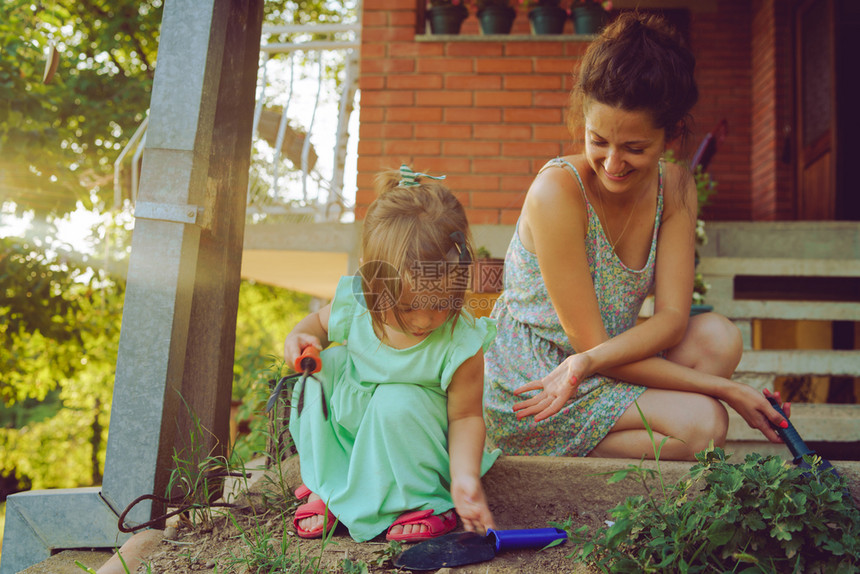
471,504
757,411
557,388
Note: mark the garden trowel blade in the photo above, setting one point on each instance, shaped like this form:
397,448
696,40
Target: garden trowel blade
451,550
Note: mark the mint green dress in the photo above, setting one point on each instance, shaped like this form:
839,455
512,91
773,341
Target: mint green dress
384,449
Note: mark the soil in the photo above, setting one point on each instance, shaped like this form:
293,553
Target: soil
524,492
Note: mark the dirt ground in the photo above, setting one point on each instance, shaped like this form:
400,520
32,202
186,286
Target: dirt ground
524,492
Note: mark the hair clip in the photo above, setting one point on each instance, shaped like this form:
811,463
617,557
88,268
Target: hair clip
408,177
460,245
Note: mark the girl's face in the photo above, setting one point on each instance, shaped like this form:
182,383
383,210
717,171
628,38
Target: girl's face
621,146
423,308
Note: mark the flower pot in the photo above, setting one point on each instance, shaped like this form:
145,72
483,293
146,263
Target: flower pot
496,19
588,19
696,309
547,19
446,19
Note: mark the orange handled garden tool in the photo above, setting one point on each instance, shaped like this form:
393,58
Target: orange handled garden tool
306,365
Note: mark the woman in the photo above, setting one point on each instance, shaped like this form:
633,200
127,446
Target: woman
598,232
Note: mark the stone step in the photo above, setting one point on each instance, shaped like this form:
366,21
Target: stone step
801,362
814,422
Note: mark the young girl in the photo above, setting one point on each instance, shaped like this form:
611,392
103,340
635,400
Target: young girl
403,440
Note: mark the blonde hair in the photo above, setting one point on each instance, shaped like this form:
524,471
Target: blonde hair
405,227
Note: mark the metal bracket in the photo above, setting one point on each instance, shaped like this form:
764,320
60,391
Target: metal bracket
167,212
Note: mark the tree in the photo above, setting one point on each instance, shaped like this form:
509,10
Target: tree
58,141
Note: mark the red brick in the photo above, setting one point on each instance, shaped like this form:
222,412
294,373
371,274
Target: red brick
530,149
413,114
497,199
504,132
540,49
370,147
509,216
477,49
387,98
504,65
553,133
533,116
521,183
503,99
371,114
482,216
480,182
470,148
556,100
446,66
388,66
443,131
501,166
443,98
473,82
473,115
387,35
532,82
372,82
415,82
372,51
559,66
393,147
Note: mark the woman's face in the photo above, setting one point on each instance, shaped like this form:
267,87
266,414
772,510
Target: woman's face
621,146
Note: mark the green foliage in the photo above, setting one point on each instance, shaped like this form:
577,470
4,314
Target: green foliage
764,515
266,315
350,567
388,553
59,350
58,141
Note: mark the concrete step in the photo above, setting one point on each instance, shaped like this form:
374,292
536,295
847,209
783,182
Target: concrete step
814,422
801,362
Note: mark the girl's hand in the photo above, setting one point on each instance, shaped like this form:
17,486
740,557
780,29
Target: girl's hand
471,504
757,411
558,387
296,342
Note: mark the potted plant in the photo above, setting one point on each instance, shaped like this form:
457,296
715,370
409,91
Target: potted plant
495,16
446,16
546,16
705,187
589,16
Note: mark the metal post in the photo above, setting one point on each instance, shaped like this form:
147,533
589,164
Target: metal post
182,282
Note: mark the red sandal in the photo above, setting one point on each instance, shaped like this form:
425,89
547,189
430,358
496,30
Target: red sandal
315,508
437,525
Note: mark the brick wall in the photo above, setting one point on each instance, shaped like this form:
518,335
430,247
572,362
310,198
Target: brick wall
488,114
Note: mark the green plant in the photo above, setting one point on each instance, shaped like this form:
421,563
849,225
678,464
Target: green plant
705,188
764,515
197,476
350,567
388,553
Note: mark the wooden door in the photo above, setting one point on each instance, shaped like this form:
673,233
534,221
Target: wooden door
816,114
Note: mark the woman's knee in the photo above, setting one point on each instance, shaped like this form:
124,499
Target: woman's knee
713,344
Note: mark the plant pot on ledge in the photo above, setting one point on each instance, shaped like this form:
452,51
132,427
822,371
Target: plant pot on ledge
495,19
589,18
546,19
446,19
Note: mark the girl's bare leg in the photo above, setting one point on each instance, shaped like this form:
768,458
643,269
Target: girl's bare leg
713,345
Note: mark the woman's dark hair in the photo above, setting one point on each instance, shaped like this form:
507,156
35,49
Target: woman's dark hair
639,62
